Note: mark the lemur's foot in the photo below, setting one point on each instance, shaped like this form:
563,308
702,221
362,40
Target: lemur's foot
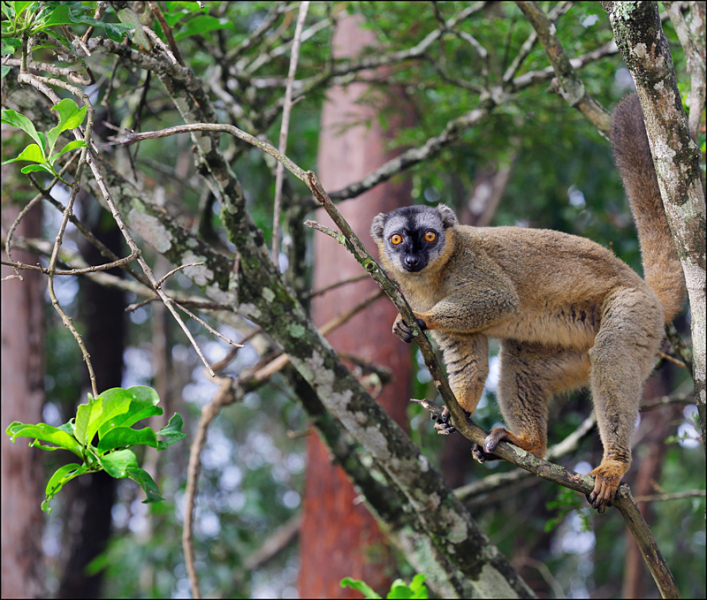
443,424
482,456
607,477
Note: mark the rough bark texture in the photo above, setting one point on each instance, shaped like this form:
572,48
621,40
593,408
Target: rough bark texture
339,536
22,400
645,50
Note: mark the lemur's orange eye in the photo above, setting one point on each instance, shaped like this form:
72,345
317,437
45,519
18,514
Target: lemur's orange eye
396,239
430,236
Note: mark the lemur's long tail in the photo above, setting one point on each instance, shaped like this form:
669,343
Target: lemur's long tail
661,265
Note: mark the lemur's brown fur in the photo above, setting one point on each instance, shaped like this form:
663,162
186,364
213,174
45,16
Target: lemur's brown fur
568,313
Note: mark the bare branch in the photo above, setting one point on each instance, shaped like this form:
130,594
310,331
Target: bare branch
284,128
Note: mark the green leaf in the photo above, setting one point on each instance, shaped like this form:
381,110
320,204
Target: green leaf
20,6
125,436
4,70
173,432
46,433
10,117
142,404
62,15
68,148
116,464
60,477
399,590
52,137
32,152
10,45
362,587
417,585
147,483
43,168
70,115
88,418
203,24
68,427
129,16
116,31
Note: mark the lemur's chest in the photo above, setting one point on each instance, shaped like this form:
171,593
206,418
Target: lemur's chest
422,291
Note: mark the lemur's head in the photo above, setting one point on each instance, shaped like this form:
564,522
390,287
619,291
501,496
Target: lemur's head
411,238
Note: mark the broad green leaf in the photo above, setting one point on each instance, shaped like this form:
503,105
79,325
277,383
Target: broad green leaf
8,10
117,463
70,115
69,427
115,402
33,168
399,590
417,585
125,436
203,24
31,152
20,6
62,476
116,31
4,70
129,16
147,483
19,120
142,400
173,432
52,137
63,16
46,433
362,587
68,148
88,418
10,45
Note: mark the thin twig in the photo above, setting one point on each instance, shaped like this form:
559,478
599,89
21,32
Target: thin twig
29,205
208,327
674,496
167,30
284,128
55,253
226,394
333,286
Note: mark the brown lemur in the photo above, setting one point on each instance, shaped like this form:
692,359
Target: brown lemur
567,312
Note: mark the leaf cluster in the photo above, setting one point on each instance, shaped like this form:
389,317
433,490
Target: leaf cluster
42,152
398,589
110,417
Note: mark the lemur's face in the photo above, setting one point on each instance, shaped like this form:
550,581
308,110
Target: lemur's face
411,238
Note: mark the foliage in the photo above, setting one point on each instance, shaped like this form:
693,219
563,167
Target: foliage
42,153
110,416
398,589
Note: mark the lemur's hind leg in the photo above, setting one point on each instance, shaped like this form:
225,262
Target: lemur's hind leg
467,361
530,375
623,356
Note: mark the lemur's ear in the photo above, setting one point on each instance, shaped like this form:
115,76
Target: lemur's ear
447,215
377,227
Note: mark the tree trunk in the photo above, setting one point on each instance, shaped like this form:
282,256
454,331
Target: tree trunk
22,400
339,537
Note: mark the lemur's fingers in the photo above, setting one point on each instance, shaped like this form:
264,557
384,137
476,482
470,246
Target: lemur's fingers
401,330
481,456
607,477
